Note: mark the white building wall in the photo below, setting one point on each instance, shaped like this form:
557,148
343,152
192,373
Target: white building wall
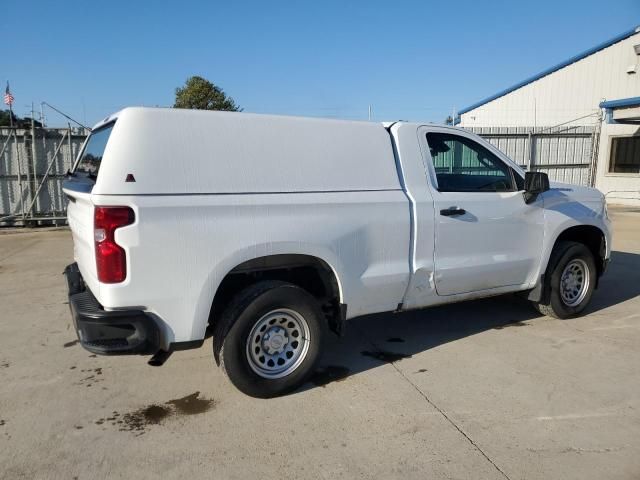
571,92
619,188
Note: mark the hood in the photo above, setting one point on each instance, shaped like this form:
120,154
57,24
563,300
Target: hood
575,200
577,192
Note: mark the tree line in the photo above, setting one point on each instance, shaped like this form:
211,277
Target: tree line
5,120
197,93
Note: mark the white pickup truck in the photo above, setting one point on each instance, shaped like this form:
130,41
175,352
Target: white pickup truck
271,231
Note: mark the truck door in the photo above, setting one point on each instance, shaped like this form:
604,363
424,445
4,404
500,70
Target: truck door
486,236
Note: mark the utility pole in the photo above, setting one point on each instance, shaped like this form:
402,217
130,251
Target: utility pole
42,120
33,155
70,146
369,112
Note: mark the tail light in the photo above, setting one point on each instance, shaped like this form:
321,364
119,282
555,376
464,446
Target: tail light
111,259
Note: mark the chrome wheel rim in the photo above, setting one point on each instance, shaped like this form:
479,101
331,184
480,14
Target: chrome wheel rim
574,282
278,343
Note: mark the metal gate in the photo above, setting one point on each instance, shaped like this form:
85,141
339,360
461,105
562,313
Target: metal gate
566,154
33,163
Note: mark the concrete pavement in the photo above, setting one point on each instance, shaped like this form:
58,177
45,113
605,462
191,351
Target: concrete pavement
486,389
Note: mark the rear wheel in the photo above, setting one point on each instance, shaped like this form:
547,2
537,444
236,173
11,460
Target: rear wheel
571,278
269,338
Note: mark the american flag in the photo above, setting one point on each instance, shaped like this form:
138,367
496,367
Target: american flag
8,98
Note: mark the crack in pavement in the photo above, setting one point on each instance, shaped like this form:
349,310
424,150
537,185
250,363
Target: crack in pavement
459,429
442,412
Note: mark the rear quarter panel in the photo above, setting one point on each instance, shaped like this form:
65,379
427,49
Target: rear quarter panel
181,247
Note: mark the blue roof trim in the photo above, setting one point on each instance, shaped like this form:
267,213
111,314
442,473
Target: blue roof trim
623,102
549,71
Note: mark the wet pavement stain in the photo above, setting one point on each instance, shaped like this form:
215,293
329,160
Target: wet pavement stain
191,404
70,344
383,356
508,325
91,378
395,340
422,370
5,364
155,414
151,414
2,423
329,374
137,421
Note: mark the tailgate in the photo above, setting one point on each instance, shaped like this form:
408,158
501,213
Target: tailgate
80,218
78,187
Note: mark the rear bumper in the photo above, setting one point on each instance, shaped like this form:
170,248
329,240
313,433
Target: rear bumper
120,332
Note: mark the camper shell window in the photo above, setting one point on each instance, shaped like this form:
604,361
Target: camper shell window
91,156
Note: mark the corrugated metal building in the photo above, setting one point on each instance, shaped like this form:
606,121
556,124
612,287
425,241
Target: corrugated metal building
596,91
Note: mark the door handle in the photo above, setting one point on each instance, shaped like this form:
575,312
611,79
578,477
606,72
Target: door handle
452,212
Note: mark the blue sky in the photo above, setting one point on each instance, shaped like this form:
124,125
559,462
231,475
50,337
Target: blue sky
412,60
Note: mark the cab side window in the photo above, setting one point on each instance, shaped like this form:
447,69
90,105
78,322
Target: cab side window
462,165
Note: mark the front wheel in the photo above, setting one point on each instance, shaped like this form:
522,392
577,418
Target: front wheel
570,278
269,338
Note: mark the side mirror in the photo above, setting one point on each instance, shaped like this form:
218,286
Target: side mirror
535,183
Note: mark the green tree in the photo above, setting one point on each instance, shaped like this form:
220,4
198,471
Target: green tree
200,94
17,121
4,118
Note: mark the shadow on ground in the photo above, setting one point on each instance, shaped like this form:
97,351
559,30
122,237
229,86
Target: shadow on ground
620,283
382,338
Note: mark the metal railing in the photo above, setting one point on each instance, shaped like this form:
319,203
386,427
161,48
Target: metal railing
33,163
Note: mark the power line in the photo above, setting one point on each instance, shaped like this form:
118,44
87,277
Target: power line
65,115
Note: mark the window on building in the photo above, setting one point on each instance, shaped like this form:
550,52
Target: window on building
625,155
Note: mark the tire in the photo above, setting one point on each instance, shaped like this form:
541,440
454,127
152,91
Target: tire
276,316
568,299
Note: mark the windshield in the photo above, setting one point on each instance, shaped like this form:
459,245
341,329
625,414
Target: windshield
94,150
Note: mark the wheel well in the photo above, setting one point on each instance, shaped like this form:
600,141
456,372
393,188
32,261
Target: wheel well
306,271
590,236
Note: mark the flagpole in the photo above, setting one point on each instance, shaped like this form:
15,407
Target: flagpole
15,141
11,115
